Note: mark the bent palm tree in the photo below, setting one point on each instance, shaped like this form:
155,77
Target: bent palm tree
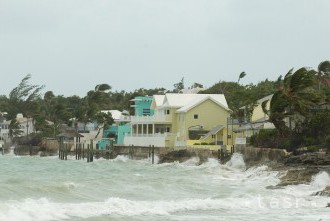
295,95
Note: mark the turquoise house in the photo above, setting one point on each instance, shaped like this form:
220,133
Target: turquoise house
142,105
117,132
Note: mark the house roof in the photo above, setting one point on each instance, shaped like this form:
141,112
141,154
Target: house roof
116,114
182,100
159,100
260,101
213,131
200,100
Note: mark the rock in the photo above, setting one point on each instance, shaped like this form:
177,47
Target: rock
315,159
325,192
179,155
298,176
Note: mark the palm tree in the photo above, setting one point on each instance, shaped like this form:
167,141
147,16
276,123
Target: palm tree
241,75
294,96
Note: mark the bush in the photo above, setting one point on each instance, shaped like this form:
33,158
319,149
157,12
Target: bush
327,142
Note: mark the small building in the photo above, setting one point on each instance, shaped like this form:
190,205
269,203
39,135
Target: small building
120,126
257,121
142,106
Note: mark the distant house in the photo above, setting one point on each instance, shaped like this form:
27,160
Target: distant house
181,120
259,120
119,128
142,105
4,129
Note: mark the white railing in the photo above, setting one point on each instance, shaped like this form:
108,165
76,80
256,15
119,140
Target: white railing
146,119
150,135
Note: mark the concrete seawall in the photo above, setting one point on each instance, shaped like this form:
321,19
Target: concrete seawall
252,156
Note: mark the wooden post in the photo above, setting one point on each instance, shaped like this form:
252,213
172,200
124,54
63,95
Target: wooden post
219,152
222,156
149,155
153,154
91,152
66,151
83,151
88,153
59,149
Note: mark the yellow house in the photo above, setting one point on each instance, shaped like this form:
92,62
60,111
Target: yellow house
182,120
257,121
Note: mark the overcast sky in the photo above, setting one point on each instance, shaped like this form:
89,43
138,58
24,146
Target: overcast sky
72,45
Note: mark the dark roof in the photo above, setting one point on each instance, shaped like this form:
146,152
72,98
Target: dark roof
70,133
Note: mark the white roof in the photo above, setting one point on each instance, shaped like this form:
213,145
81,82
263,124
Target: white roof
159,100
181,100
116,114
200,100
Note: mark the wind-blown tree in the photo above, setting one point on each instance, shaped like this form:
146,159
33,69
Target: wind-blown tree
92,104
294,96
14,129
241,75
24,98
103,121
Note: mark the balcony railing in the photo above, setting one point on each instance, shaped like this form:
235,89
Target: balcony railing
150,119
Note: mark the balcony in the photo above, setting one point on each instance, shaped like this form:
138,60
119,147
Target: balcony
150,119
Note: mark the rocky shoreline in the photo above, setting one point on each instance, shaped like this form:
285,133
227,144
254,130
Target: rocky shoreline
302,168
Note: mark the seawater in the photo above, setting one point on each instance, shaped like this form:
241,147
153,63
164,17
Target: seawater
44,189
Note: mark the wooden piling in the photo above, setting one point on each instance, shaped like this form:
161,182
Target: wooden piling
91,152
149,155
153,154
66,151
222,156
83,151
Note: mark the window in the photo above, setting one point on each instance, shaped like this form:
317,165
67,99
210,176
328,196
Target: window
195,116
167,112
213,136
168,129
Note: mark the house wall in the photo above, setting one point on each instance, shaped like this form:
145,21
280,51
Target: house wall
209,114
258,113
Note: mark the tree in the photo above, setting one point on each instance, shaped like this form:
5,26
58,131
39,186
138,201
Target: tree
14,129
23,98
323,72
241,75
103,121
179,86
197,85
294,96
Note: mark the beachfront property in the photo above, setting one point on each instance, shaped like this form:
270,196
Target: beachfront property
118,130
181,120
257,121
141,106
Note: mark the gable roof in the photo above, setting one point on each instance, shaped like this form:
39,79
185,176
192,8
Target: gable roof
213,131
200,100
181,100
159,100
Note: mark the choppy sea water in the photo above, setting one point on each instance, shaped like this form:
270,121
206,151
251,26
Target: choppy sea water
43,189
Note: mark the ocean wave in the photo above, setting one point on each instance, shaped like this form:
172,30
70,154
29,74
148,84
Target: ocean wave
45,210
